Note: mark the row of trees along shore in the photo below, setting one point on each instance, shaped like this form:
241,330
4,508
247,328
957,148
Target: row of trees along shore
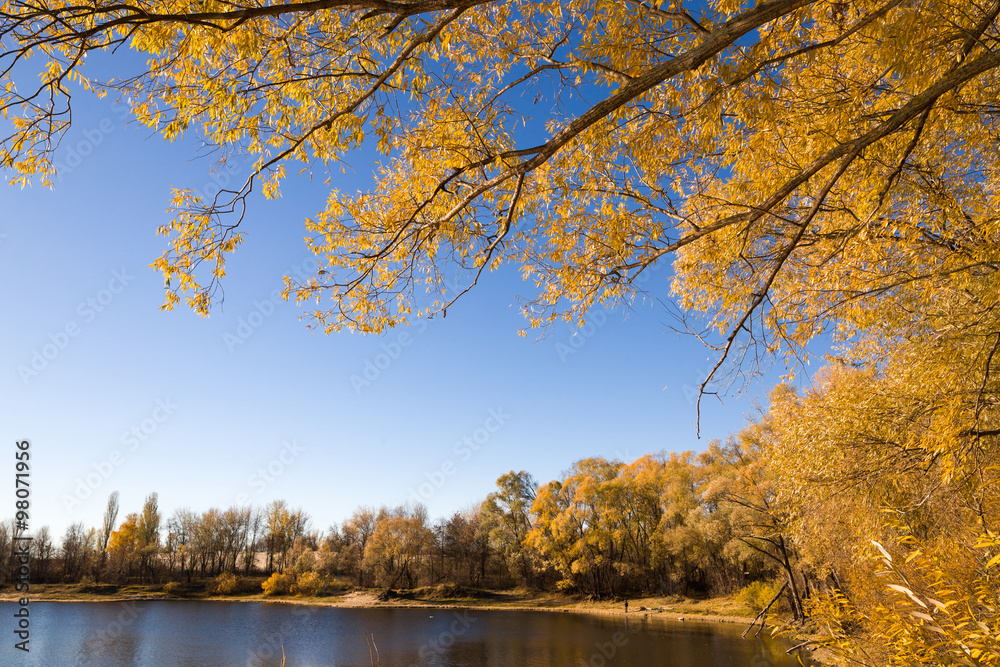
606,529
807,497
661,525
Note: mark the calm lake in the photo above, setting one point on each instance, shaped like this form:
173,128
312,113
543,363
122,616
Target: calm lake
202,634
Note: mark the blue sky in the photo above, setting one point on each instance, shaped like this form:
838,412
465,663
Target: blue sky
117,395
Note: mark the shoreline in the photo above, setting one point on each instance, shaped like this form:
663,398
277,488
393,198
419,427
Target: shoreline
683,610
661,614
369,600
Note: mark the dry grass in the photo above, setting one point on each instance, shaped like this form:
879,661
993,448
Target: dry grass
718,608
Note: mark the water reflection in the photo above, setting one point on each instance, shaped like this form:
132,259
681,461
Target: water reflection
203,634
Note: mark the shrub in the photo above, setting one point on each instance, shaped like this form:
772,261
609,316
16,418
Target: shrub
756,596
565,586
308,583
278,584
227,583
173,588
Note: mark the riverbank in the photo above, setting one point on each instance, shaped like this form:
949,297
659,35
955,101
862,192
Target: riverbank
718,609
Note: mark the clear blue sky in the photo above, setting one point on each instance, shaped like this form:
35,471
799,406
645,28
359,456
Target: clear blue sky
194,416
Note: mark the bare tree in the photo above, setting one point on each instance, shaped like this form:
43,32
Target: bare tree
75,545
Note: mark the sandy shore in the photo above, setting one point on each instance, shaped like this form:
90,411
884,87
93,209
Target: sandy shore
369,600
364,599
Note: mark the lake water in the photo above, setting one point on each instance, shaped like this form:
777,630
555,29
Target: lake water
203,634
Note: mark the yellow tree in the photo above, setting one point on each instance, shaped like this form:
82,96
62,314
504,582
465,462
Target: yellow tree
350,540
894,476
806,165
506,516
611,528
573,531
692,535
395,549
107,527
634,512
123,547
282,526
744,479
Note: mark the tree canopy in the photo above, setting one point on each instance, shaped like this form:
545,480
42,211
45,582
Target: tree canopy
805,166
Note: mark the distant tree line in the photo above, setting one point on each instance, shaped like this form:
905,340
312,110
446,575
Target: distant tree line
142,548
605,529
868,502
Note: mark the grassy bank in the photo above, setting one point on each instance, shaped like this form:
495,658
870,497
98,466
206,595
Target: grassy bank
432,596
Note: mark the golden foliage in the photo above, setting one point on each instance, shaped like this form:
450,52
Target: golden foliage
926,616
808,167
396,547
756,595
278,584
228,583
308,584
903,455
